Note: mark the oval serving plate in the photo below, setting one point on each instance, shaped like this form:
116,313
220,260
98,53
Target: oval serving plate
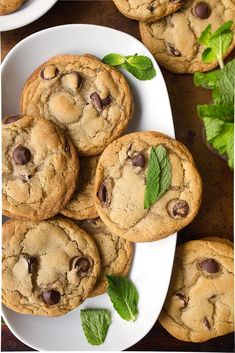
152,262
30,11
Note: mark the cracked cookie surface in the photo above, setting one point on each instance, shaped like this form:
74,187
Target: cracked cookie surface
82,206
173,40
40,168
148,10
115,252
200,301
91,101
9,6
121,182
49,267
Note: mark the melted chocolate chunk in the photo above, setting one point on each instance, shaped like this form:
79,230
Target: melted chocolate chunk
51,297
32,262
21,155
138,160
210,265
202,10
102,193
81,265
96,101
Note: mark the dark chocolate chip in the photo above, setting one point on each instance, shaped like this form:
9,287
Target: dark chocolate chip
172,50
102,193
182,298
21,155
11,119
210,265
32,262
49,76
96,101
106,101
202,10
180,209
51,297
81,265
206,323
138,160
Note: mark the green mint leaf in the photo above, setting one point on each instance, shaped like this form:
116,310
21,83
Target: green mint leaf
158,178
212,127
224,28
142,75
152,180
205,36
219,44
114,59
140,62
224,142
124,296
207,80
224,112
95,324
223,92
165,167
208,56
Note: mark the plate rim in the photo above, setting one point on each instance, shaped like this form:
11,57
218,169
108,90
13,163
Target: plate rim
173,236
29,20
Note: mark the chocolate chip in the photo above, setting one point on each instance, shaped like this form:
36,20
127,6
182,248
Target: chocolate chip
51,297
106,101
210,265
177,208
81,265
49,72
32,262
172,50
96,101
102,193
78,78
202,10
138,160
66,146
21,155
151,7
182,298
206,323
11,119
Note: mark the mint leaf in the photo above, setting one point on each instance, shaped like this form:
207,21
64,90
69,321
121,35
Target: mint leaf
152,180
223,92
220,111
207,80
95,324
114,59
205,36
223,29
158,178
139,66
212,127
142,75
124,296
224,142
208,56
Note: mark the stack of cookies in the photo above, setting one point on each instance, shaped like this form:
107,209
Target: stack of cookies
64,156
170,29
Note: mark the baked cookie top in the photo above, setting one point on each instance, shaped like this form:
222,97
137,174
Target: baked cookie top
49,267
200,300
91,101
148,10
82,206
115,252
9,6
40,168
174,40
121,183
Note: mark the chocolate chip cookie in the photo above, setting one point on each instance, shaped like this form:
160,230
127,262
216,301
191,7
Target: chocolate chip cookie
9,6
115,252
200,300
40,168
120,188
173,40
82,206
49,267
148,10
88,99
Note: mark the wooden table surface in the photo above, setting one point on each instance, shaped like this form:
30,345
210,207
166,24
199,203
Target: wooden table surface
216,214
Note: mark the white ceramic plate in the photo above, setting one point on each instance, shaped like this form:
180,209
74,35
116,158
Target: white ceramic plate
29,12
152,263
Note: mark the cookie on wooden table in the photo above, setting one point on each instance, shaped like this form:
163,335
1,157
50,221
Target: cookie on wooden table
200,301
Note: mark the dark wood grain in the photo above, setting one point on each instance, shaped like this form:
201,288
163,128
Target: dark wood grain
216,213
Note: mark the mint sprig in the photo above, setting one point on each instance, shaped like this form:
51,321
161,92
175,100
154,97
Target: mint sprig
124,296
216,43
95,324
138,65
158,175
